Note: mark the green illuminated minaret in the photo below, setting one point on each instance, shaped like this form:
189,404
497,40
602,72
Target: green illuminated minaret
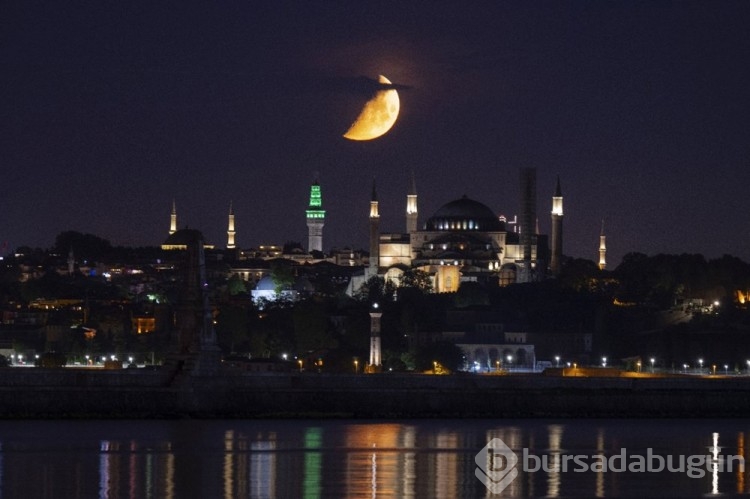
315,219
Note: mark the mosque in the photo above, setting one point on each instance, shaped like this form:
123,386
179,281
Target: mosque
463,241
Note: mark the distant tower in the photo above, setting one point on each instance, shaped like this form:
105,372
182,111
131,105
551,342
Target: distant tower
71,262
374,232
173,219
557,230
602,249
315,219
528,218
411,206
230,229
375,364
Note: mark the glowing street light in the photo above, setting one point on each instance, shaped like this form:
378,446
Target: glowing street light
726,369
510,362
639,365
300,364
652,364
356,366
604,361
700,363
557,361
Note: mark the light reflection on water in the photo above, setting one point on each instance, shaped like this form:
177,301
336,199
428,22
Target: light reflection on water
326,459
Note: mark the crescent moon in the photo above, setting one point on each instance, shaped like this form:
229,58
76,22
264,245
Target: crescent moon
378,115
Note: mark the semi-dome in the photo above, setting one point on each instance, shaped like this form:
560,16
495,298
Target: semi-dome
464,214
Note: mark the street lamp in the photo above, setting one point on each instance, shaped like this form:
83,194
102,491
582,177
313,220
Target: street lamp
604,361
639,365
497,366
652,364
700,363
356,366
300,364
726,369
557,361
510,362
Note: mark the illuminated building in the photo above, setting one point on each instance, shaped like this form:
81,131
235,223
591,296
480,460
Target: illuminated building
374,233
230,229
315,219
464,240
173,219
375,364
557,231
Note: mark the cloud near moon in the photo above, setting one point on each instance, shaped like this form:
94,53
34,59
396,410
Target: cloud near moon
378,114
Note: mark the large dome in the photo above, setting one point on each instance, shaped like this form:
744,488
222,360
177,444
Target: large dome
464,214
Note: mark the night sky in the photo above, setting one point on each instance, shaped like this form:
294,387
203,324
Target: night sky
110,110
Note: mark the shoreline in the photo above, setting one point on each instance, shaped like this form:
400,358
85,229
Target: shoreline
79,394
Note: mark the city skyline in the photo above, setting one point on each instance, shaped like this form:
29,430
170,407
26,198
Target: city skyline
640,108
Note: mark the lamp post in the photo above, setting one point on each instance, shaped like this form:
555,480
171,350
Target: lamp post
639,365
726,369
300,364
510,362
557,361
497,366
604,361
652,364
700,364
356,366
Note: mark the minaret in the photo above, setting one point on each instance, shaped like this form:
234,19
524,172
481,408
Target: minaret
602,249
230,229
411,206
374,232
528,219
557,230
375,364
173,219
315,219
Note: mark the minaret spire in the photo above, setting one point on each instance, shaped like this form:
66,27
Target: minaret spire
173,219
230,228
374,232
411,206
602,249
315,218
557,230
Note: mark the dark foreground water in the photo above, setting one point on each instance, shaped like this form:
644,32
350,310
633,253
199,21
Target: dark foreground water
404,459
